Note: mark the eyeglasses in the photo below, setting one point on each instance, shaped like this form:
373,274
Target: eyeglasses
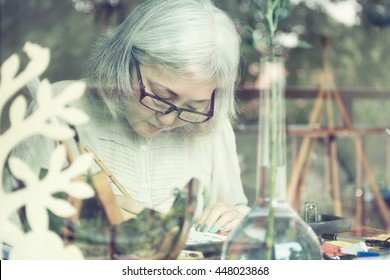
157,104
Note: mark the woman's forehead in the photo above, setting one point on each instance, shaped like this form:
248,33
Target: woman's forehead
191,84
187,72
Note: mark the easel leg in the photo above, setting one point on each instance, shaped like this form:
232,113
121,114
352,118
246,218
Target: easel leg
303,151
335,178
293,187
297,199
333,156
358,192
363,161
374,187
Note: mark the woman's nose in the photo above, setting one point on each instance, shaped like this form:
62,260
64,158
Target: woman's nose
167,119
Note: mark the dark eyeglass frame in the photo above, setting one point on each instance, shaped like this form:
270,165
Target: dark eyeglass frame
172,107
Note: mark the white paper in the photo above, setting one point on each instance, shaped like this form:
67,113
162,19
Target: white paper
197,237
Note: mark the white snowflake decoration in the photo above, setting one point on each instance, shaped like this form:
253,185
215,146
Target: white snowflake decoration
37,196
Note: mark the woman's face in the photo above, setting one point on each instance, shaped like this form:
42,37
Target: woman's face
182,92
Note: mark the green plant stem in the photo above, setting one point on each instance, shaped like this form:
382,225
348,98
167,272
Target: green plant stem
271,6
272,181
271,17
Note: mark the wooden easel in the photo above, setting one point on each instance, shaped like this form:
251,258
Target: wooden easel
327,95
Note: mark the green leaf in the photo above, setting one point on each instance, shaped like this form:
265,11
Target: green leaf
284,3
304,45
258,6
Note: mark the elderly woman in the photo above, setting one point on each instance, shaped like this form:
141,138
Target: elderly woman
161,102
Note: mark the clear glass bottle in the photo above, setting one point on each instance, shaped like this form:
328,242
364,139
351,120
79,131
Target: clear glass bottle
272,229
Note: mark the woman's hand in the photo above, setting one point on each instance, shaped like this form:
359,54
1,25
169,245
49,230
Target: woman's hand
220,217
130,208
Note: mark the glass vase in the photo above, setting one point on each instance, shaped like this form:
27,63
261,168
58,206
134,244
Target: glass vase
272,229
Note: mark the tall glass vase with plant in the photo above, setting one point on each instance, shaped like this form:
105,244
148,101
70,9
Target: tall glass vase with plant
272,229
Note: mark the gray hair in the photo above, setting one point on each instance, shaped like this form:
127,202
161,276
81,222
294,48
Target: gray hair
180,35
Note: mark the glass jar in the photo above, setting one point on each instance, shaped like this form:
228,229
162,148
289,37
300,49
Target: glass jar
272,229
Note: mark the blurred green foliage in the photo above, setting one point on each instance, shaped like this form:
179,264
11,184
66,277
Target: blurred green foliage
359,53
